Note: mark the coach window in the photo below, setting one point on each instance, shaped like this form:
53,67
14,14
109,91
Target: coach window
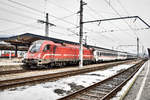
47,47
97,53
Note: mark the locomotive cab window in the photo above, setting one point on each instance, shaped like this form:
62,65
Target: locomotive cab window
47,47
35,47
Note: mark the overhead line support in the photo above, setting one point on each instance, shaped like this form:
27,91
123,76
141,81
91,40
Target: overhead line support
47,23
109,19
81,34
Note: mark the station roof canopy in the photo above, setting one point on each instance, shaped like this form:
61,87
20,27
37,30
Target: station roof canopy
27,38
12,47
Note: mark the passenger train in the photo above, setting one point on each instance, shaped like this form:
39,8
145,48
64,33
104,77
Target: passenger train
45,53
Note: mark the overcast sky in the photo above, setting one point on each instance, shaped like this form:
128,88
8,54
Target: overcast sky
20,16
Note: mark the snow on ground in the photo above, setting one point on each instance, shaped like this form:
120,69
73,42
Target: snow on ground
56,89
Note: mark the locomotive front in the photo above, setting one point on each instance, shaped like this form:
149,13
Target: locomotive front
33,57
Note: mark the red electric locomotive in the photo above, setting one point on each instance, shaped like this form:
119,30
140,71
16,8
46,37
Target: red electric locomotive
45,53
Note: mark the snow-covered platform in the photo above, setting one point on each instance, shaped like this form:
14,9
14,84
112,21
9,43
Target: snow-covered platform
141,87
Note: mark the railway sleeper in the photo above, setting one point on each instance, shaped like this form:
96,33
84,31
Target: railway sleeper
120,80
79,98
123,78
82,97
89,96
108,85
98,93
102,89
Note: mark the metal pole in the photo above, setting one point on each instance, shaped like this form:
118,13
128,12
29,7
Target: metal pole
137,47
142,51
16,50
10,54
86,40
81,35
46,26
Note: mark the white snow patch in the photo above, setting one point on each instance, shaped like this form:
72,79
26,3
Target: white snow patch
34,93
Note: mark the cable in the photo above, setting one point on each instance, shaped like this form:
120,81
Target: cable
103,17
30,25
120,16
18,14
21,4
123,7
11,21
66,16
2,3
16,28
31,8
59,6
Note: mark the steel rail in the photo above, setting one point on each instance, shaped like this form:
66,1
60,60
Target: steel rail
105,89
12,72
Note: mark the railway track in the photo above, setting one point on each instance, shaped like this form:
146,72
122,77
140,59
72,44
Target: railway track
4,84
6,72
105,89
12,72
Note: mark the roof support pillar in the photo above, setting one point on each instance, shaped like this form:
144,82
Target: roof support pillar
16,50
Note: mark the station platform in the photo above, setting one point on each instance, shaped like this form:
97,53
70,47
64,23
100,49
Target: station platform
10,64
140,90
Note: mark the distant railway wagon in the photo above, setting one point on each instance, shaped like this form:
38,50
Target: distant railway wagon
11,53
7,54
100,55
45,53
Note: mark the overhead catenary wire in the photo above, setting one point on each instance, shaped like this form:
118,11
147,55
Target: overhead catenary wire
123,30
35,27
16,22
37,10
15,28
20,9
120,16
31,8
128,14
129,27
103,17
65,17
23,5
60,6
17,14
123,7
